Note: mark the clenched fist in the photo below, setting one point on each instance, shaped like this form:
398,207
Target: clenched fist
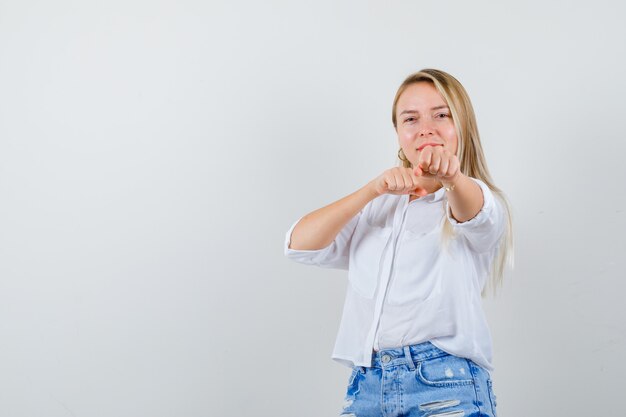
398,180
438,162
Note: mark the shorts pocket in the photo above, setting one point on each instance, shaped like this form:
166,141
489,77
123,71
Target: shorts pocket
353,382
445,371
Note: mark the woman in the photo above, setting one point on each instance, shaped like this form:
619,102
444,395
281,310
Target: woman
420,242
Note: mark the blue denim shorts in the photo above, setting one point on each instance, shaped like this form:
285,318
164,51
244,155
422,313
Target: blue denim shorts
419,380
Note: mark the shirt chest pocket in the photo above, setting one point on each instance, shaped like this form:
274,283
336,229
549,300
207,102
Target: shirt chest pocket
418,261
367,250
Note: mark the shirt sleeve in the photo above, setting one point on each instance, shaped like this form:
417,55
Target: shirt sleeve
335,255
484,230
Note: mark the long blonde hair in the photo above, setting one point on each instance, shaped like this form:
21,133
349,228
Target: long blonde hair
469,152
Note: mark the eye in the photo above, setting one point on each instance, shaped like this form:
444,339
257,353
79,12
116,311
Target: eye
442,115
409,119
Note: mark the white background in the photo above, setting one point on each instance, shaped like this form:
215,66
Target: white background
154,153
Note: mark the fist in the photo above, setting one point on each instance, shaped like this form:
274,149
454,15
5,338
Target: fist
398,180
437,162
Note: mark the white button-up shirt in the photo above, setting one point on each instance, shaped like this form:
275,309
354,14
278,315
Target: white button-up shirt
405,285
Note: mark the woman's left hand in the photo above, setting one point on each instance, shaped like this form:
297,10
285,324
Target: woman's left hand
439,163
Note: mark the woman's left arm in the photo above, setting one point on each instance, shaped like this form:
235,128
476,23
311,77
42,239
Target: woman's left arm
464,197
472,208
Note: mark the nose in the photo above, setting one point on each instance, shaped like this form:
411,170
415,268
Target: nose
425,130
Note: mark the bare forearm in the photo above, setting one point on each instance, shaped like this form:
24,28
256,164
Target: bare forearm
466,199
319,228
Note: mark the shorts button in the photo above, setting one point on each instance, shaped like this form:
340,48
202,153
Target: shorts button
386,358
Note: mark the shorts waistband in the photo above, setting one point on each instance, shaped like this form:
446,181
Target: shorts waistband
398,356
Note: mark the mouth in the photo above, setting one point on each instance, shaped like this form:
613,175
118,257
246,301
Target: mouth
423,145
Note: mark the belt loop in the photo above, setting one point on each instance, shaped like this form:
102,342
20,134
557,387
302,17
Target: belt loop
409,359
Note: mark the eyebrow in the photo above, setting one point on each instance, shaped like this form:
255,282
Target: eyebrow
432,108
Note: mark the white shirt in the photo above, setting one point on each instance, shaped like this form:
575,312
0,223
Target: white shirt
405,286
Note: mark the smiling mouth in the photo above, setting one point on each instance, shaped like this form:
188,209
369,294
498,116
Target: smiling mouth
428,144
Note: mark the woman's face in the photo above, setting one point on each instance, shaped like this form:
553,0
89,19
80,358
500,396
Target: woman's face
423,118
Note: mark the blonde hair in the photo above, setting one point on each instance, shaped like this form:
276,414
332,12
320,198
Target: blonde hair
469,152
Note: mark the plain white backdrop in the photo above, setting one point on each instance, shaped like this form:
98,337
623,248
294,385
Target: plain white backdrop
154,153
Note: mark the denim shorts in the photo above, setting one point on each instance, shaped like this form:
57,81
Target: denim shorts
419,380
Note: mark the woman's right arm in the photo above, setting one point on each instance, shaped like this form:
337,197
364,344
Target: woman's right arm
319,228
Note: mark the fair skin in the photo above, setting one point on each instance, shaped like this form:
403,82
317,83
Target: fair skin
428,138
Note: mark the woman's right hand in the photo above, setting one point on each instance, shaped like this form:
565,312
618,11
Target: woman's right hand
398,180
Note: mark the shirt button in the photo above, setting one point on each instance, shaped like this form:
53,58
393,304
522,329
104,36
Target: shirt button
386,358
